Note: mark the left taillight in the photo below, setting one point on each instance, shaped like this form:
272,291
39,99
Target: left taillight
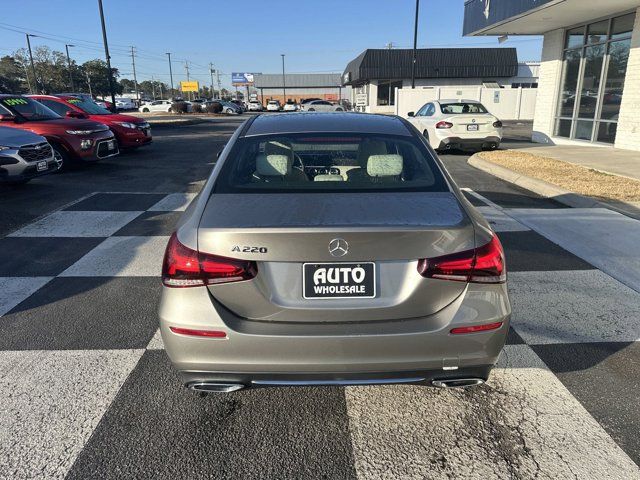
484,264
184,267
497,124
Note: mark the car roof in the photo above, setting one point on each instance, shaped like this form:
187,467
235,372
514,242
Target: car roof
456,100
339,122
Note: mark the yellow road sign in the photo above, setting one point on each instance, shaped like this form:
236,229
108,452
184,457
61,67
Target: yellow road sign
189,86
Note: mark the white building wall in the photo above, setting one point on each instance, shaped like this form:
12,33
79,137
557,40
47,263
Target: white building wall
628,134
548,85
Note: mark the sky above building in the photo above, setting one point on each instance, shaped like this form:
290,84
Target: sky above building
248,36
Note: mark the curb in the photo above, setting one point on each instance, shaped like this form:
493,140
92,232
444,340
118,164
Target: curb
176,122
549,190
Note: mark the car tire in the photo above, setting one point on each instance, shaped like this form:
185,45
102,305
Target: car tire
61,156
311,110
339,109
228,111
145,110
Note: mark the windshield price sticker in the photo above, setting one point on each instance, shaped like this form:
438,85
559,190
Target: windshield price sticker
14,101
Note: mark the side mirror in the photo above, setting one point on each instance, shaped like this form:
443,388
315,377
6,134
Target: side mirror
74,114
7,118
411,114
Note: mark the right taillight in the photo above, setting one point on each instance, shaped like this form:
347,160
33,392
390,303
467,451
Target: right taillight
184,267
444,124
484,264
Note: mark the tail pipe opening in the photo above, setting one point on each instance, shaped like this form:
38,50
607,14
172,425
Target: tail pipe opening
211,387
457,382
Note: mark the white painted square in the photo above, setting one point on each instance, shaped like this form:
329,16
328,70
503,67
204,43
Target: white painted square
175,202
14,290
605,239
156,342
573,306
523,424
77,224
51,403
122,257
500,222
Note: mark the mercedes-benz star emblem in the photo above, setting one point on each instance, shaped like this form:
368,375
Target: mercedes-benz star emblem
338,247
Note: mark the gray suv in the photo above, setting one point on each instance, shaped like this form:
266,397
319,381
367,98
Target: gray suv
23,156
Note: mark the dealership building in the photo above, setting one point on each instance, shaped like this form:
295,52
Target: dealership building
298,86
589,78
376,75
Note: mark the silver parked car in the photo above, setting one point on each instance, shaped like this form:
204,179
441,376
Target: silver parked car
320,106
330,250
24,155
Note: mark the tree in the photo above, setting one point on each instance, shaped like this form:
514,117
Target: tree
12,76
153,89
127,85
51,67
97,72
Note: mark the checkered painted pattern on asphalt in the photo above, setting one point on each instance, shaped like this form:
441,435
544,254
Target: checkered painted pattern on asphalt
88,391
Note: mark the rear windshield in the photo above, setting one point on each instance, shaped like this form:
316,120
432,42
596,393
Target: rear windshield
329,163
461,107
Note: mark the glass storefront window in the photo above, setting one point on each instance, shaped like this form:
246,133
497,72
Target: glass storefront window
597,32
575,37
607,132
622,26
614,84
563,128
593,59
569,83
584,130
595,67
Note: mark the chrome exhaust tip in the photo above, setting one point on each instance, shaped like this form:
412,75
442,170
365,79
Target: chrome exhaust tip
212,387
457,382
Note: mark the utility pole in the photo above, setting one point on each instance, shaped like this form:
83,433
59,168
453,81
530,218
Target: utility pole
69,64
284,89
186,66
108,57
211,72
415,46
219,84
33,67
135,79
89,83
170,72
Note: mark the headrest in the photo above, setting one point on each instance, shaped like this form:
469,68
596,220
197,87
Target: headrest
389,165
273,165
328,178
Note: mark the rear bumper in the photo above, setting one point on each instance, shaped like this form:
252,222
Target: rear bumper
271,351
461,142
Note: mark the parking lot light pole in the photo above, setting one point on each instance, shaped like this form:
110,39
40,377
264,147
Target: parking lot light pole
33,67
415,46
106,53
284,89
66,46
170,72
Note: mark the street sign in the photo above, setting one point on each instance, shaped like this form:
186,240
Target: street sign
241,79
189,86
361,99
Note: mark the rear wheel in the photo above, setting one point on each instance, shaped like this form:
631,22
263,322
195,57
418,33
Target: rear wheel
312,109
339,109
228,111
145,110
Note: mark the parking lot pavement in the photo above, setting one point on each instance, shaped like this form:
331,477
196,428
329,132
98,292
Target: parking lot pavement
89,392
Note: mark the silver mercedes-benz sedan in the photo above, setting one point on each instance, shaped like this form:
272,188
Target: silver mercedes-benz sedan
332,249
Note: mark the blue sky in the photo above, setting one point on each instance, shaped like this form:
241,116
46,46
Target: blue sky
315,35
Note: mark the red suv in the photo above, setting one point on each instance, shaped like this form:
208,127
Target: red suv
131,132
72,139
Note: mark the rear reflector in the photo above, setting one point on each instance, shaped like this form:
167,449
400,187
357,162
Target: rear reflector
476,328
199,333
184,267
484,264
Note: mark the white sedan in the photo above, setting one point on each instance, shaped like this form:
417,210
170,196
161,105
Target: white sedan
449,124
156,106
